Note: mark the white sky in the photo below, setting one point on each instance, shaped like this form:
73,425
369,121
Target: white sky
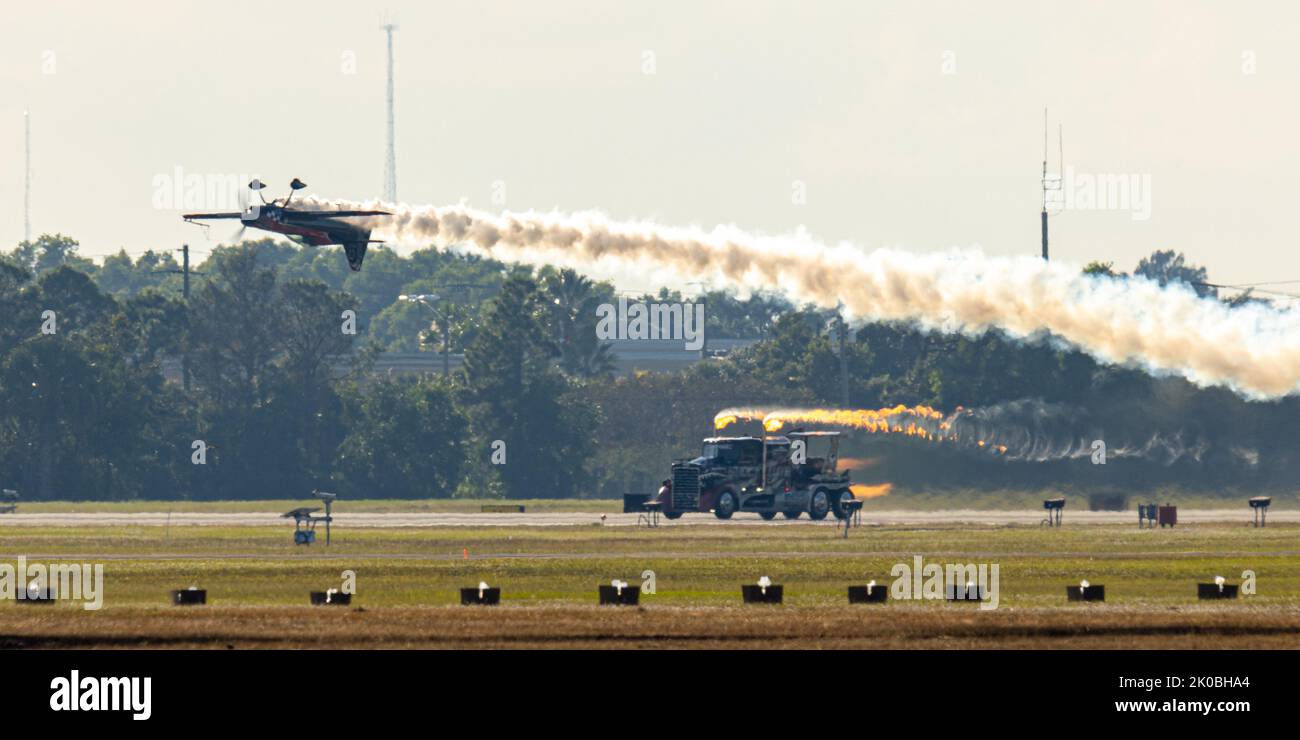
550,98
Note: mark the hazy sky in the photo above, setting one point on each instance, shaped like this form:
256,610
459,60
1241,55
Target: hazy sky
916,125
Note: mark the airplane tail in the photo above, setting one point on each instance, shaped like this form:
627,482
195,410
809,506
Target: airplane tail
356,249
356,252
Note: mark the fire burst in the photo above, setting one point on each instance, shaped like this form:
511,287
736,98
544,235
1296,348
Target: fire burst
864,491
921,422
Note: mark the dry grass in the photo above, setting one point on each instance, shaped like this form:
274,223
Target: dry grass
861,627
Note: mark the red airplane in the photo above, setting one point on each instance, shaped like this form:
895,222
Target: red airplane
314,228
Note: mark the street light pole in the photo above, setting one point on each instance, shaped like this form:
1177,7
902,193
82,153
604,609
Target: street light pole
423,299
446,349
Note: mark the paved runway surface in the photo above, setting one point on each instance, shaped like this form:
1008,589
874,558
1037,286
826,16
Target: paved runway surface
562,519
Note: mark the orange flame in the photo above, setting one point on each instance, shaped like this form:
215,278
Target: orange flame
858,463
901,419
896,419
864,491
921,422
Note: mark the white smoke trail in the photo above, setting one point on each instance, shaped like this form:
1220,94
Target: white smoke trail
1253,349
1034,431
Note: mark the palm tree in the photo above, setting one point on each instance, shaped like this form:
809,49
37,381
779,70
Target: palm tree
572,300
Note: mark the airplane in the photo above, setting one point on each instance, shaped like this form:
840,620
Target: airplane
315,228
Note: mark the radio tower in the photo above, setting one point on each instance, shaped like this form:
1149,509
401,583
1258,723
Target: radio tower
390,164
27,183
1051,183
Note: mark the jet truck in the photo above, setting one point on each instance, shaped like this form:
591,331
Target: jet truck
791,475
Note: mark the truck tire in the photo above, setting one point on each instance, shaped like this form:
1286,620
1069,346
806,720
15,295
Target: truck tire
726,505
837,502
819,505
767,515
673,514
792,514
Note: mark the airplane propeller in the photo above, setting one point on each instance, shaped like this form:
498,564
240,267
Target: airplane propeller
246,213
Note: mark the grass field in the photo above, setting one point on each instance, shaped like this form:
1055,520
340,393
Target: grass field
898,501
408,580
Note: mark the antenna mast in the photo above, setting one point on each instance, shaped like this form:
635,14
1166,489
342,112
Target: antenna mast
1051,183
390,164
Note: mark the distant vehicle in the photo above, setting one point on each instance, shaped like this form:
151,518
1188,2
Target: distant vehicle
310,227
760,475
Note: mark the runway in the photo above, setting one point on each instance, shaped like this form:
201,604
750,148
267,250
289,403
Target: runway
573,519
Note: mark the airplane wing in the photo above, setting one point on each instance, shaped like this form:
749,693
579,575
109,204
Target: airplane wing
192,216
336,214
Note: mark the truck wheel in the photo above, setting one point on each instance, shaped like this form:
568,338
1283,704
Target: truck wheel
673,514
837,503
819,505
767,515
792,514
726,505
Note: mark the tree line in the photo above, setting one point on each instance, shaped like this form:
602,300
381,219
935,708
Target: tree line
270,396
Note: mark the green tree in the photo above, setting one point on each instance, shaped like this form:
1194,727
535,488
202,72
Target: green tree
514,395
263,356
1097,267
571,310
119,276
407,440
80,416
1167,266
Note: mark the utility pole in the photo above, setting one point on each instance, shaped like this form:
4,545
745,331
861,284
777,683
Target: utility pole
185,273
185,270
844,359
185,291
